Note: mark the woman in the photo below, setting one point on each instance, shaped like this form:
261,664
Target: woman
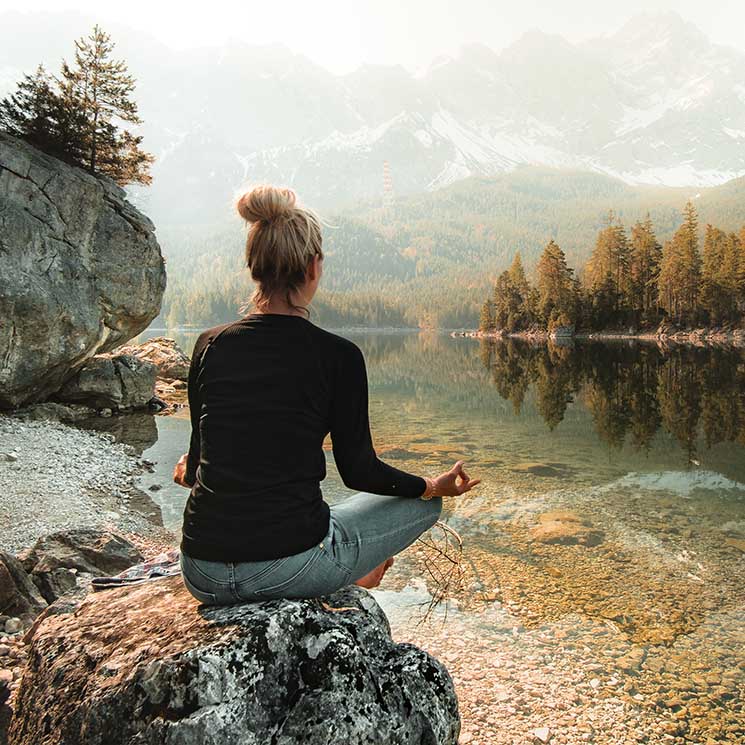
264,392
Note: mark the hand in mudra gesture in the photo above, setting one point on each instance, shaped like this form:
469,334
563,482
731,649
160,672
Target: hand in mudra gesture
448,485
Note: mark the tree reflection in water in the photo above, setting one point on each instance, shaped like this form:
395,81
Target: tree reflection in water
631,390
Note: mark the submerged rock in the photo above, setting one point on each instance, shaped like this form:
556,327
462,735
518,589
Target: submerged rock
566,528
147,664
81,270
171,361
120,381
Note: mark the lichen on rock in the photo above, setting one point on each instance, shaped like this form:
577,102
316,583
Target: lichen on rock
149,665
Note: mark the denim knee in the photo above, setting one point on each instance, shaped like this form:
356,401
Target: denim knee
434,507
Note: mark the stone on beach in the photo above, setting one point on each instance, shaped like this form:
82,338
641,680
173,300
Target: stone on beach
56,561
171,361
119,382
18,594
149,664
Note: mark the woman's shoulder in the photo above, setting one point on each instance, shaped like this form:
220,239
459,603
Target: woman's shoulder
209,335
336,344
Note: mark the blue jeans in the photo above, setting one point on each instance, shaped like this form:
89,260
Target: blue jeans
364,530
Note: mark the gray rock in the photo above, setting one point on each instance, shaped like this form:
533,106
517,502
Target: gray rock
96,552
55,583
13,625
65,561
111,382
172,362
81,271
148,664
18,594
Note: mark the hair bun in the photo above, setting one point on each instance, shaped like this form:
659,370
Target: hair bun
266,203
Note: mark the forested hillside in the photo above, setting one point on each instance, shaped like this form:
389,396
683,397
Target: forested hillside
429,260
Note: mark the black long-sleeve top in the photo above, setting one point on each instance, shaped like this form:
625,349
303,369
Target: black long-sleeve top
264,392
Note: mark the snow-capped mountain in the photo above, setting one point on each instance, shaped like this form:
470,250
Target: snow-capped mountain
656,102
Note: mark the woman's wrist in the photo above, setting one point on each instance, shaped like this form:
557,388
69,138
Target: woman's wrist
429,491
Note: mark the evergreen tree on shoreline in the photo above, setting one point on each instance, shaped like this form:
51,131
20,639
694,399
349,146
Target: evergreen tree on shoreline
557,303
634,279
680,270
645,257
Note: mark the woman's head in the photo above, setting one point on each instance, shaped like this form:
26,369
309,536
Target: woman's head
283,240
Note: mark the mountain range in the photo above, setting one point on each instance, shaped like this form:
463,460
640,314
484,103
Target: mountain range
655,102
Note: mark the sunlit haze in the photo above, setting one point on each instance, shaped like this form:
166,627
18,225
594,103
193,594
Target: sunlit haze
341,35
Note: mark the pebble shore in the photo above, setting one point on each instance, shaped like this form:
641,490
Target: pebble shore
57,477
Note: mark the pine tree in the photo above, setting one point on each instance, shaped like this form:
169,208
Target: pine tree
100,89
719,275
680,270
517,275
557,302
486,321
36,113
645,259
607,274
512,298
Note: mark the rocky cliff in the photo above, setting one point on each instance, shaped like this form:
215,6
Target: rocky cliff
81,271
148,664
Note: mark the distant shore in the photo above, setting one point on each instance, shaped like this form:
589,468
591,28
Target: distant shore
666,335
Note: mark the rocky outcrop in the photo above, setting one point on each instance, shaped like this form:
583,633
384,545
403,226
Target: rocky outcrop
19,597
58,562
81,271
147,664
119,381
171,361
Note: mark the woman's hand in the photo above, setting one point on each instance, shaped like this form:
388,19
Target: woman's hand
446,484
179,472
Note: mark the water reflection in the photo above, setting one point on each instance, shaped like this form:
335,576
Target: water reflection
630,390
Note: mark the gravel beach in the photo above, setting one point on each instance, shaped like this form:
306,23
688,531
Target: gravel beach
57,477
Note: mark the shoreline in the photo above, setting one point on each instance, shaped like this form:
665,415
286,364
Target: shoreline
57,476
694,337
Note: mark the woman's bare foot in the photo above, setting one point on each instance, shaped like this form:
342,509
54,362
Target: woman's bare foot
372,579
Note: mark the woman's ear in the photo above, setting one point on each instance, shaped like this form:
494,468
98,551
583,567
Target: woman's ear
314,268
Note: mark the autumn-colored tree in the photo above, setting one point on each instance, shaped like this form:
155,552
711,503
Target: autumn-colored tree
100,88
607,273
680,270
720,275
556,290
645,259
486,319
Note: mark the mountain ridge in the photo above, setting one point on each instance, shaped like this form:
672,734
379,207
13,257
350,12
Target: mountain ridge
220,117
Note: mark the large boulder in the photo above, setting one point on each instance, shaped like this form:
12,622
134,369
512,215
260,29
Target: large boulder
149,665
118,381
81,270
18,594
172,362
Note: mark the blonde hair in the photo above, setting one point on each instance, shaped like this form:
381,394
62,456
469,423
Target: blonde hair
282,239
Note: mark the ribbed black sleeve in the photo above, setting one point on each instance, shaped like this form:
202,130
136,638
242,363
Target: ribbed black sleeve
358,463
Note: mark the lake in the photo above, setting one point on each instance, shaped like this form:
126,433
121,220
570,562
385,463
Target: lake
600,592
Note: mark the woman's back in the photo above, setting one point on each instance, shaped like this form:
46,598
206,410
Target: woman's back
264,392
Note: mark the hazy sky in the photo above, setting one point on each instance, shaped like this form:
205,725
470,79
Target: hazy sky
341,34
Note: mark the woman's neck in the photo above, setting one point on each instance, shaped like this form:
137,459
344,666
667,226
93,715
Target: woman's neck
280,308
